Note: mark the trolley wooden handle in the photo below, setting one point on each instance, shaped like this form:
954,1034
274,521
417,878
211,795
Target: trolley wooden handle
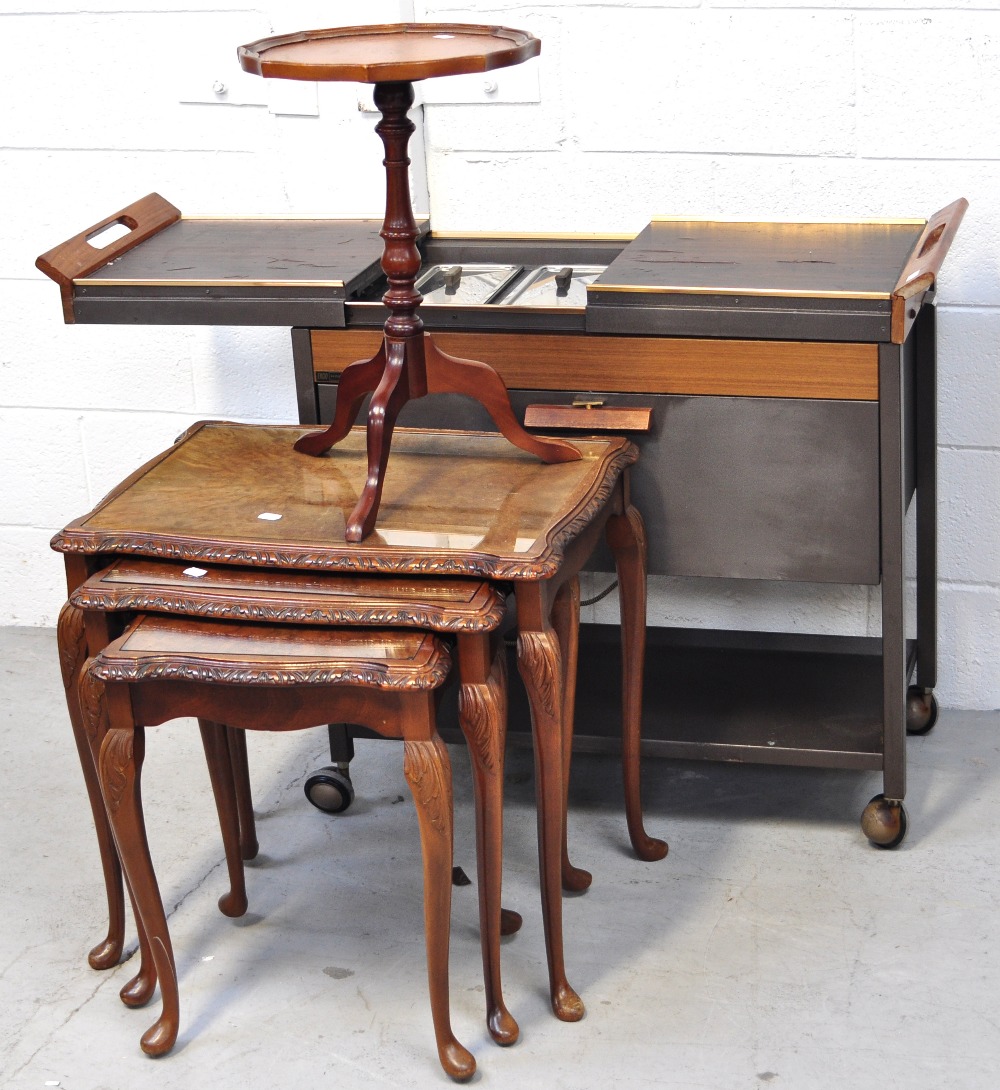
78,257
921,270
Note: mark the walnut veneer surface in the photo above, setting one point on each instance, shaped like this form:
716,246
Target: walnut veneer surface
276,655
291,597
454,502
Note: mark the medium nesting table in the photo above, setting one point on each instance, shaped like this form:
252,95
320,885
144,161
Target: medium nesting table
368,614
454,504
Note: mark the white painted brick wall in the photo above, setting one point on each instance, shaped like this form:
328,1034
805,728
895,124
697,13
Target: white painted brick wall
782,109
99,122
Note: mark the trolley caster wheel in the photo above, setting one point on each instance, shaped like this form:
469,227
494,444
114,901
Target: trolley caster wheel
921,710
330,790
883,821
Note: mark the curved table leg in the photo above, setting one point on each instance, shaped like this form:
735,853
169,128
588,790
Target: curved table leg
356,381
215,740
540,665
120,766
244,799
510,921
90,695
428,772
482,711
566,621
138,991
392,394
72,656
626,534
451,375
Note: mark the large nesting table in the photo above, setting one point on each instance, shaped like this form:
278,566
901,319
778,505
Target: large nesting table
454,504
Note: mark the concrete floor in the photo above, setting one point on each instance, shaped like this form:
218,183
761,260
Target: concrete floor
773,947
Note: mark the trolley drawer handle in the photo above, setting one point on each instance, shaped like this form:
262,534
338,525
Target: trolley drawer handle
590,414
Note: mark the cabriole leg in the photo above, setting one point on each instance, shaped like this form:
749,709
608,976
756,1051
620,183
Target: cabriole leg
482,709
120,768
540,665
428,772
566,621
626,535
72,656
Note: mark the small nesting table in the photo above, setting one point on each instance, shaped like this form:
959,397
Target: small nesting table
268,677
454,504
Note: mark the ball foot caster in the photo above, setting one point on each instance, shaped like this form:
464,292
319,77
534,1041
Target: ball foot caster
330,789
883,821
921,710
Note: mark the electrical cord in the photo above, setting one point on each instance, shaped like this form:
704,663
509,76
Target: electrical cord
599,597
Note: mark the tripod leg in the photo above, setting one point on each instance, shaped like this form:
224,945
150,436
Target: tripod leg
392,394
450,375
356,382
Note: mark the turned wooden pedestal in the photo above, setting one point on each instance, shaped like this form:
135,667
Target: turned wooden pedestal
407,364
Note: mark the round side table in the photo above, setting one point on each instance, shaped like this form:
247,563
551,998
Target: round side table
408,364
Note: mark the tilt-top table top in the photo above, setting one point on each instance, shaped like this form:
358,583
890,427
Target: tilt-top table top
398,52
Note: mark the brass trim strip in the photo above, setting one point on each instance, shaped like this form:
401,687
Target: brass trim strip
233,282
779,293
529,308
765,222
325,217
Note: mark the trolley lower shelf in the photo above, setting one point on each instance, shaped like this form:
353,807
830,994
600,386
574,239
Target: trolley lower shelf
744,697
768,698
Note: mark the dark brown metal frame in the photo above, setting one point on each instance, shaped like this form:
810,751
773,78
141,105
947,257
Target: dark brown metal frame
907,447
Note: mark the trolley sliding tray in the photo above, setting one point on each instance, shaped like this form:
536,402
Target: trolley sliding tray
171,269
240,272
817,281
